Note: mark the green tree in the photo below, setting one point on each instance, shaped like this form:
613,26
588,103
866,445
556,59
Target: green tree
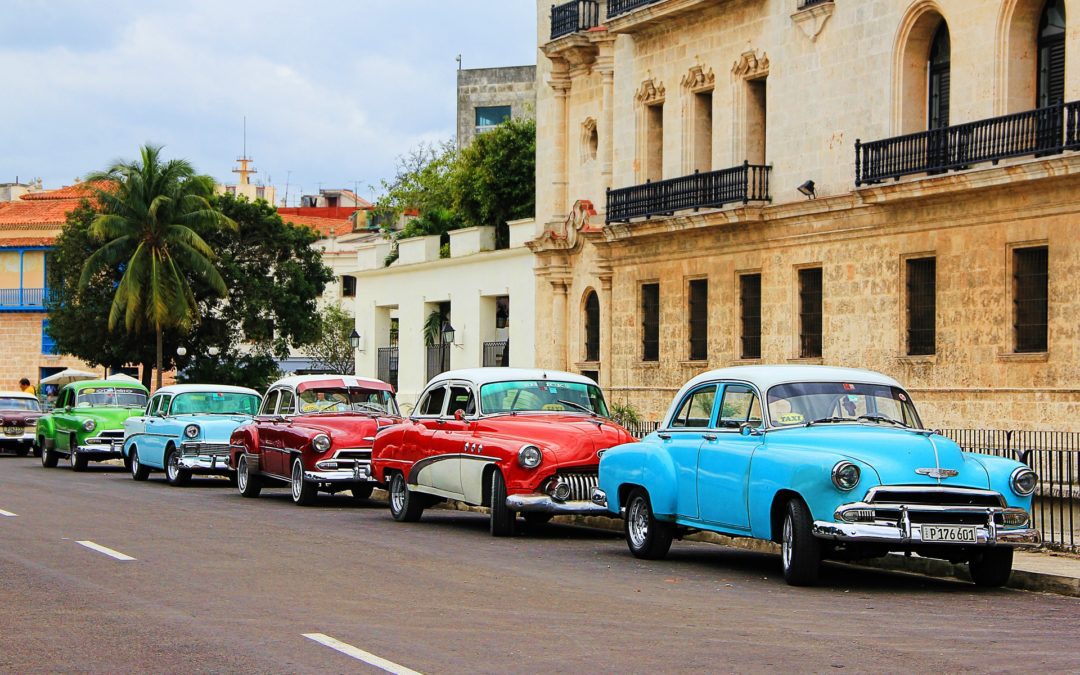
332,350
423,182
152,212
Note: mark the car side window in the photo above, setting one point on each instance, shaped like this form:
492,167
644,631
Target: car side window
432,404
285,407
151,407
270,403
695,411
163,407
738,406
461,398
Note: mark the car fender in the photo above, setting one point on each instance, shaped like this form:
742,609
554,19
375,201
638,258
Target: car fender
243,440
46,427
1000,470
386,452
644,464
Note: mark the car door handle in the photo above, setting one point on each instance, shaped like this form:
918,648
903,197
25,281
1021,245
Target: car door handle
665,436
709,437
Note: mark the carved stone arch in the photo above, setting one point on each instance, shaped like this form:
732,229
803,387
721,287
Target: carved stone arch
590,313
649,113
590,140
1016,55
911,52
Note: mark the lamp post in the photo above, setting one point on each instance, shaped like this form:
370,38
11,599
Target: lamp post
354,340
447,333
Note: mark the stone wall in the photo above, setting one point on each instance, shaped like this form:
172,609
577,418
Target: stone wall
514,86
20,350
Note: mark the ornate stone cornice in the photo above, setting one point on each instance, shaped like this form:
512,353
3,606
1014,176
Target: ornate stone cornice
751,65
698,79
650,92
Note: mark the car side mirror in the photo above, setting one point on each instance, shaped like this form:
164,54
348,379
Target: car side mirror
748,429
459,415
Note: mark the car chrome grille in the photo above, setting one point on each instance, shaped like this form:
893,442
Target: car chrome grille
205,448
934,496
353,454
113,434
581,485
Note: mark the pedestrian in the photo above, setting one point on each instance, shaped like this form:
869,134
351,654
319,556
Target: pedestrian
27,388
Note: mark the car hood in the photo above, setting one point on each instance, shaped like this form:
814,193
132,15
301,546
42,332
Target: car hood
212,428
570,439
895,454
17,418
345,431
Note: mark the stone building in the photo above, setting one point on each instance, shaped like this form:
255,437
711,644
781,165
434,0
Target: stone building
488,96
887,184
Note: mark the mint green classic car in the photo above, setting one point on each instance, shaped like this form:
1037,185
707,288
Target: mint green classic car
87,423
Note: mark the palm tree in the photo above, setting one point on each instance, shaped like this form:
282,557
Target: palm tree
151,212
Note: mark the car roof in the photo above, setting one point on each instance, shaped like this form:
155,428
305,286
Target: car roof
121,384
17,394
482,376
175,389
330,380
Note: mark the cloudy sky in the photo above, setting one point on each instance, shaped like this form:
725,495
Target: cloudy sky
333,90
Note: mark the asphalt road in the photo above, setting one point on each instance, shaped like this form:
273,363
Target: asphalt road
222,583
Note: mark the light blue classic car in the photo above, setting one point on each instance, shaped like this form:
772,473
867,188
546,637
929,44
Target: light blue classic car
828,462
186,430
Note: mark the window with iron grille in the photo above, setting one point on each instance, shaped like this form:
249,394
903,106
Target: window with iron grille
592,327
1030,286
921,306
810,313
699,319
650,322
750,314
348,287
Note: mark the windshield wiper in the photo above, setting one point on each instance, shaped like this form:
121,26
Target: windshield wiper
578,406
373,408
882,418
829,420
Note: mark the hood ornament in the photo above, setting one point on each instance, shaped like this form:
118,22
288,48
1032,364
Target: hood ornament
938,472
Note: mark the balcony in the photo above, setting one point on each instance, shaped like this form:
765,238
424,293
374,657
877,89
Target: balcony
620,7
1045,131
631,16
574,17
806,4
497,354
388,365
23,299
713,189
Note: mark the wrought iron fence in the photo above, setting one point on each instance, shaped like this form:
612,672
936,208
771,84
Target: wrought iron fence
388,365
23,298
1053,455
712,189
617,7
497,354
1044,131
803,4
438,360
575,16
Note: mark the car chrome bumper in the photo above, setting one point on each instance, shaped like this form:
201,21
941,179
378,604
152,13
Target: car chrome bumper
906,534
537,502
102,451
338,476
26,438
213,463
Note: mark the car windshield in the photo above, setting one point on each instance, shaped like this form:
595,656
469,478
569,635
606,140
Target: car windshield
214,403
352,399
541,395
826,402
15,403
98,397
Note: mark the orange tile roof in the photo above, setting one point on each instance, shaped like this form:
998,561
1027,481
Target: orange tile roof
18,242
37,209
327,227
76,192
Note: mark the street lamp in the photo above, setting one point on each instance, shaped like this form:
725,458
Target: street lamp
355,340
447,333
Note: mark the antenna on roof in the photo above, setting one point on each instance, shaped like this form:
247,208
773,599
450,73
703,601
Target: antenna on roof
458,61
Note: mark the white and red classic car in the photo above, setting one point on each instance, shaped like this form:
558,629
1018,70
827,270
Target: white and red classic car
516,440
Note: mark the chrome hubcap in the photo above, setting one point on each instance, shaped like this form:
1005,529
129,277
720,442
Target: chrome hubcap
637,520
134,462
297,480
242,475
397,494
172,466
786,544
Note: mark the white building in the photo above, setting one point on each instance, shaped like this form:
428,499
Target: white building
487,296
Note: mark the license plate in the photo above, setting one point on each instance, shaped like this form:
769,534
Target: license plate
958,534
13,431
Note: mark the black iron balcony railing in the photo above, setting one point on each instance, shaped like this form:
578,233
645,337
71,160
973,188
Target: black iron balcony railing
712,189
497,354
438,360
388,365
803,4
618,7
575,16
1045,131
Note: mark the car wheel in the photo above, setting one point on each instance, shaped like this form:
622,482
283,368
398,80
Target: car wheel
139,471
173,473
991,567
48,456
78,461
538,518
303,492
503,518
405,506
249,484
800,550
363,491
647,537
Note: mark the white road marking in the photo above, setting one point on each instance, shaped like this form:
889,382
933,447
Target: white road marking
7,514
107,551
360,654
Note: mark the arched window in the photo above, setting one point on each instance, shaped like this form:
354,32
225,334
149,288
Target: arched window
1051,84
938,78
592,327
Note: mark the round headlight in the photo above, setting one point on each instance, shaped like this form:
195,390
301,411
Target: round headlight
89,425
321,443
191,431
1023,481
529,456
845,475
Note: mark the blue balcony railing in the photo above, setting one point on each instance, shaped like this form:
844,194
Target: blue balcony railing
23,299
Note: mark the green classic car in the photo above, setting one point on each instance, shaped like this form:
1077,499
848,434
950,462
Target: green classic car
87,423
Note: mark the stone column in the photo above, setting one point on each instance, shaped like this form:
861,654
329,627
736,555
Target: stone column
559,322
605,65
560,82
605,275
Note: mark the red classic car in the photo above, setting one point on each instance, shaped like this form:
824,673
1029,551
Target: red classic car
19,413
313,433
515,440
